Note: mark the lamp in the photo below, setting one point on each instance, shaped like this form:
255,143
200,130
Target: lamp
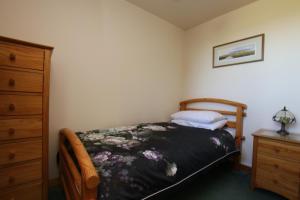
284,117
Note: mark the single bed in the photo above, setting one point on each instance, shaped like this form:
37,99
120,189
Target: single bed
137,162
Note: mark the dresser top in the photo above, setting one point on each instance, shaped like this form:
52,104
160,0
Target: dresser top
6,39
295,138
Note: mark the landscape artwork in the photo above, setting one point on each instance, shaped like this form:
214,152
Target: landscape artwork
238,52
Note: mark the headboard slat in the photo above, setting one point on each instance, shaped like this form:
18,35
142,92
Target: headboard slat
231,124
223,112
214,100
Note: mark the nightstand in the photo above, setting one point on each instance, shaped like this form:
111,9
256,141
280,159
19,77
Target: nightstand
276,163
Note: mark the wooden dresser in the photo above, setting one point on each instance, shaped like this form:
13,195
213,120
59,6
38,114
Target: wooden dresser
24,96
276,163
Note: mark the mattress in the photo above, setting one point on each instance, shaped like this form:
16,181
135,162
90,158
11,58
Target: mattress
138,162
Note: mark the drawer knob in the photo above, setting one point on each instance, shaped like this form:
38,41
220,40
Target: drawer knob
12,57
275,182
11,179
277,150
11,131
11,82
276,166
11,155
12,107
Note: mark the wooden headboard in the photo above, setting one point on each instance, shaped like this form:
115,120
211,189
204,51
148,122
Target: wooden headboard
238,114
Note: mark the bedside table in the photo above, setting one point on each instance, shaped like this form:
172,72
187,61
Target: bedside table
276,163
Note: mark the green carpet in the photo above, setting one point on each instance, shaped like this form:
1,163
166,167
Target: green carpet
220,183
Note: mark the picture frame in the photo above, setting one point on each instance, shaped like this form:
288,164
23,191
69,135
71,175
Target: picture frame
247,50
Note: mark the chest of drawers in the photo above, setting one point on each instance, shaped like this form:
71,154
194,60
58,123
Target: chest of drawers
276,163
24,97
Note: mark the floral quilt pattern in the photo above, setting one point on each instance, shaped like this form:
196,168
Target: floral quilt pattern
136,161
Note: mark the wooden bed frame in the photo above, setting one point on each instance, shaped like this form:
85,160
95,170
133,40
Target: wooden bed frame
83,184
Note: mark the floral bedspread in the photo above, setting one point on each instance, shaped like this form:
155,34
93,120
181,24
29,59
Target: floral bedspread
137,161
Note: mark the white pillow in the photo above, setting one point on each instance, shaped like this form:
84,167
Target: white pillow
211,126
198,116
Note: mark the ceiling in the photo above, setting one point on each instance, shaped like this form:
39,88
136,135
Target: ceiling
189,13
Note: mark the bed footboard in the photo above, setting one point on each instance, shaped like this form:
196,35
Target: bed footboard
79,184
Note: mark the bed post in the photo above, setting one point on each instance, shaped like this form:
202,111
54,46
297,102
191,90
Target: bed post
239,134
78,185
239,127
182,106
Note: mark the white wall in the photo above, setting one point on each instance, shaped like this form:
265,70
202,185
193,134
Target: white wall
113,63
264,86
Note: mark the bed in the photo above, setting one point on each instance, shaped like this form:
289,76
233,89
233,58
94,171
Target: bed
138,162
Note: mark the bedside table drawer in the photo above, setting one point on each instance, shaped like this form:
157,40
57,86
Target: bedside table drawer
285,169
279,149
272,181
277,187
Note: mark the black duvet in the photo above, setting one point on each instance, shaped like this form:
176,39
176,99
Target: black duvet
138,161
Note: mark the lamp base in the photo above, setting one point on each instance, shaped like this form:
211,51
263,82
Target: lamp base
282,131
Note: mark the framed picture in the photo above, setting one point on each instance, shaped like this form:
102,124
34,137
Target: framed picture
246,50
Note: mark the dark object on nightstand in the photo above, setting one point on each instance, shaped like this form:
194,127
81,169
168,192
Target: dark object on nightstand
284,117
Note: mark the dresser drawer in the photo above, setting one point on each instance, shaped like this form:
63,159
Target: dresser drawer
279,149
282,168
16,55
27,192
20,105
272,181
20,128
21,151
20,81
16,175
